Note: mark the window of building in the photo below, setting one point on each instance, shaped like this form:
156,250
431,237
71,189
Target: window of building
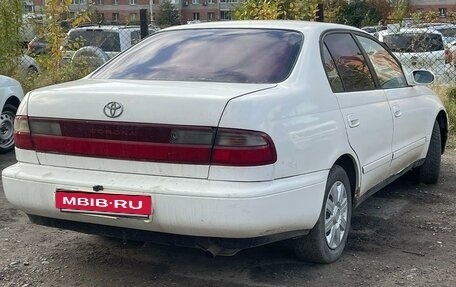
132,17
225,15
210,16
115,17
99,2
100,17
115,2
350,62
442,12
195,2
210,1
132,2
196,16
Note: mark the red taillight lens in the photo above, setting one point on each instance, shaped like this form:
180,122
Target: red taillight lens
22,137
146,142
242,148
448,57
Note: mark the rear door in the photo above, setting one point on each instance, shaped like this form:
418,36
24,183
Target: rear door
364,108
409,108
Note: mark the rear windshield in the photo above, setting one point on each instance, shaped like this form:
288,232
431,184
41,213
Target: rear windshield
414,42
209,55
448,33
107,41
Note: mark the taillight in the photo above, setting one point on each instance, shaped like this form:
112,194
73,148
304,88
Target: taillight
22,136
448,56
243,148
148,142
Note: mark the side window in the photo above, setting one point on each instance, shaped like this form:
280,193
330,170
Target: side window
353,69
388,70
135,37
331,72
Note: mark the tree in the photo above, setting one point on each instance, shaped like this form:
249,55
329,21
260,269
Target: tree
359,13
276,9
168,15
333,8
10,34
399,9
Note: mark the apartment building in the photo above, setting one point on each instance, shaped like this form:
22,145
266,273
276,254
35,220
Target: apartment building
127,11
442,7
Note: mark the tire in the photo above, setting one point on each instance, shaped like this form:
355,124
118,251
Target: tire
7,128
430,170
90,56
320,246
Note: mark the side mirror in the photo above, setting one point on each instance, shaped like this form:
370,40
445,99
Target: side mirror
420,78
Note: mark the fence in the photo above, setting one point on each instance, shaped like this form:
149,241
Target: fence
418,45
421,45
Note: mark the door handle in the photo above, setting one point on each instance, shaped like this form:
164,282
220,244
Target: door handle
353,121
397,111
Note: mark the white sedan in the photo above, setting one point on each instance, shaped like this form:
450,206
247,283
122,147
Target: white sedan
227,135
11,95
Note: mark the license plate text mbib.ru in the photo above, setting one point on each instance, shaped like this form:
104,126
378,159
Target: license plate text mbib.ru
135,205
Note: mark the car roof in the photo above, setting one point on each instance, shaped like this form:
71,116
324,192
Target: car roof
411,31
267,24
106,27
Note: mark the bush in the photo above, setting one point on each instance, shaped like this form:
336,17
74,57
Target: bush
10,35
450,105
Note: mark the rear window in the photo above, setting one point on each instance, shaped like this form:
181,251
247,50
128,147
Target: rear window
414,42
448,33
107,41
209,55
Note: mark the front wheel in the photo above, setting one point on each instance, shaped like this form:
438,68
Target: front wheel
429,172
7,128
326,241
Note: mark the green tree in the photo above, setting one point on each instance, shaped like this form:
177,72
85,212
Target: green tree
399,9
10,35
276,9
359,13
333,8
168,15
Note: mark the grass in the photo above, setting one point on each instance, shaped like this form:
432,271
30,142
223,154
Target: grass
448,96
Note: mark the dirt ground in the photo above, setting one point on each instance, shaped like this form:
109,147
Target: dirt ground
405,235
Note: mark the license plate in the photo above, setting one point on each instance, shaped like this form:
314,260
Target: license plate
103,203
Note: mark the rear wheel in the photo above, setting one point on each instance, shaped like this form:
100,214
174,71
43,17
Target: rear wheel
7,128
326,241
429,172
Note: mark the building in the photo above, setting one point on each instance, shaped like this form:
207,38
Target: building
442,7
127,11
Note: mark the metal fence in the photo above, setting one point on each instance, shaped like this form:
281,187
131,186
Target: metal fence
421,45
417,44
92,44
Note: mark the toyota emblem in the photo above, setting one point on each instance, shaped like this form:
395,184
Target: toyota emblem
113,109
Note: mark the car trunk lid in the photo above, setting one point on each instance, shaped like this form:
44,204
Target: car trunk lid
128,125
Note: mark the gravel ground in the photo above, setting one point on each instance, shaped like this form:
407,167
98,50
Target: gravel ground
405,235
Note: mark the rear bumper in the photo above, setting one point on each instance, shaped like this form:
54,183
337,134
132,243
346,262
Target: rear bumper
193,207
214,245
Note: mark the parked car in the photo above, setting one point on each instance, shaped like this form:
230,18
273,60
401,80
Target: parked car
373,30
420,48
448,30
28,64
11,95
227,135
97,44
38,46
